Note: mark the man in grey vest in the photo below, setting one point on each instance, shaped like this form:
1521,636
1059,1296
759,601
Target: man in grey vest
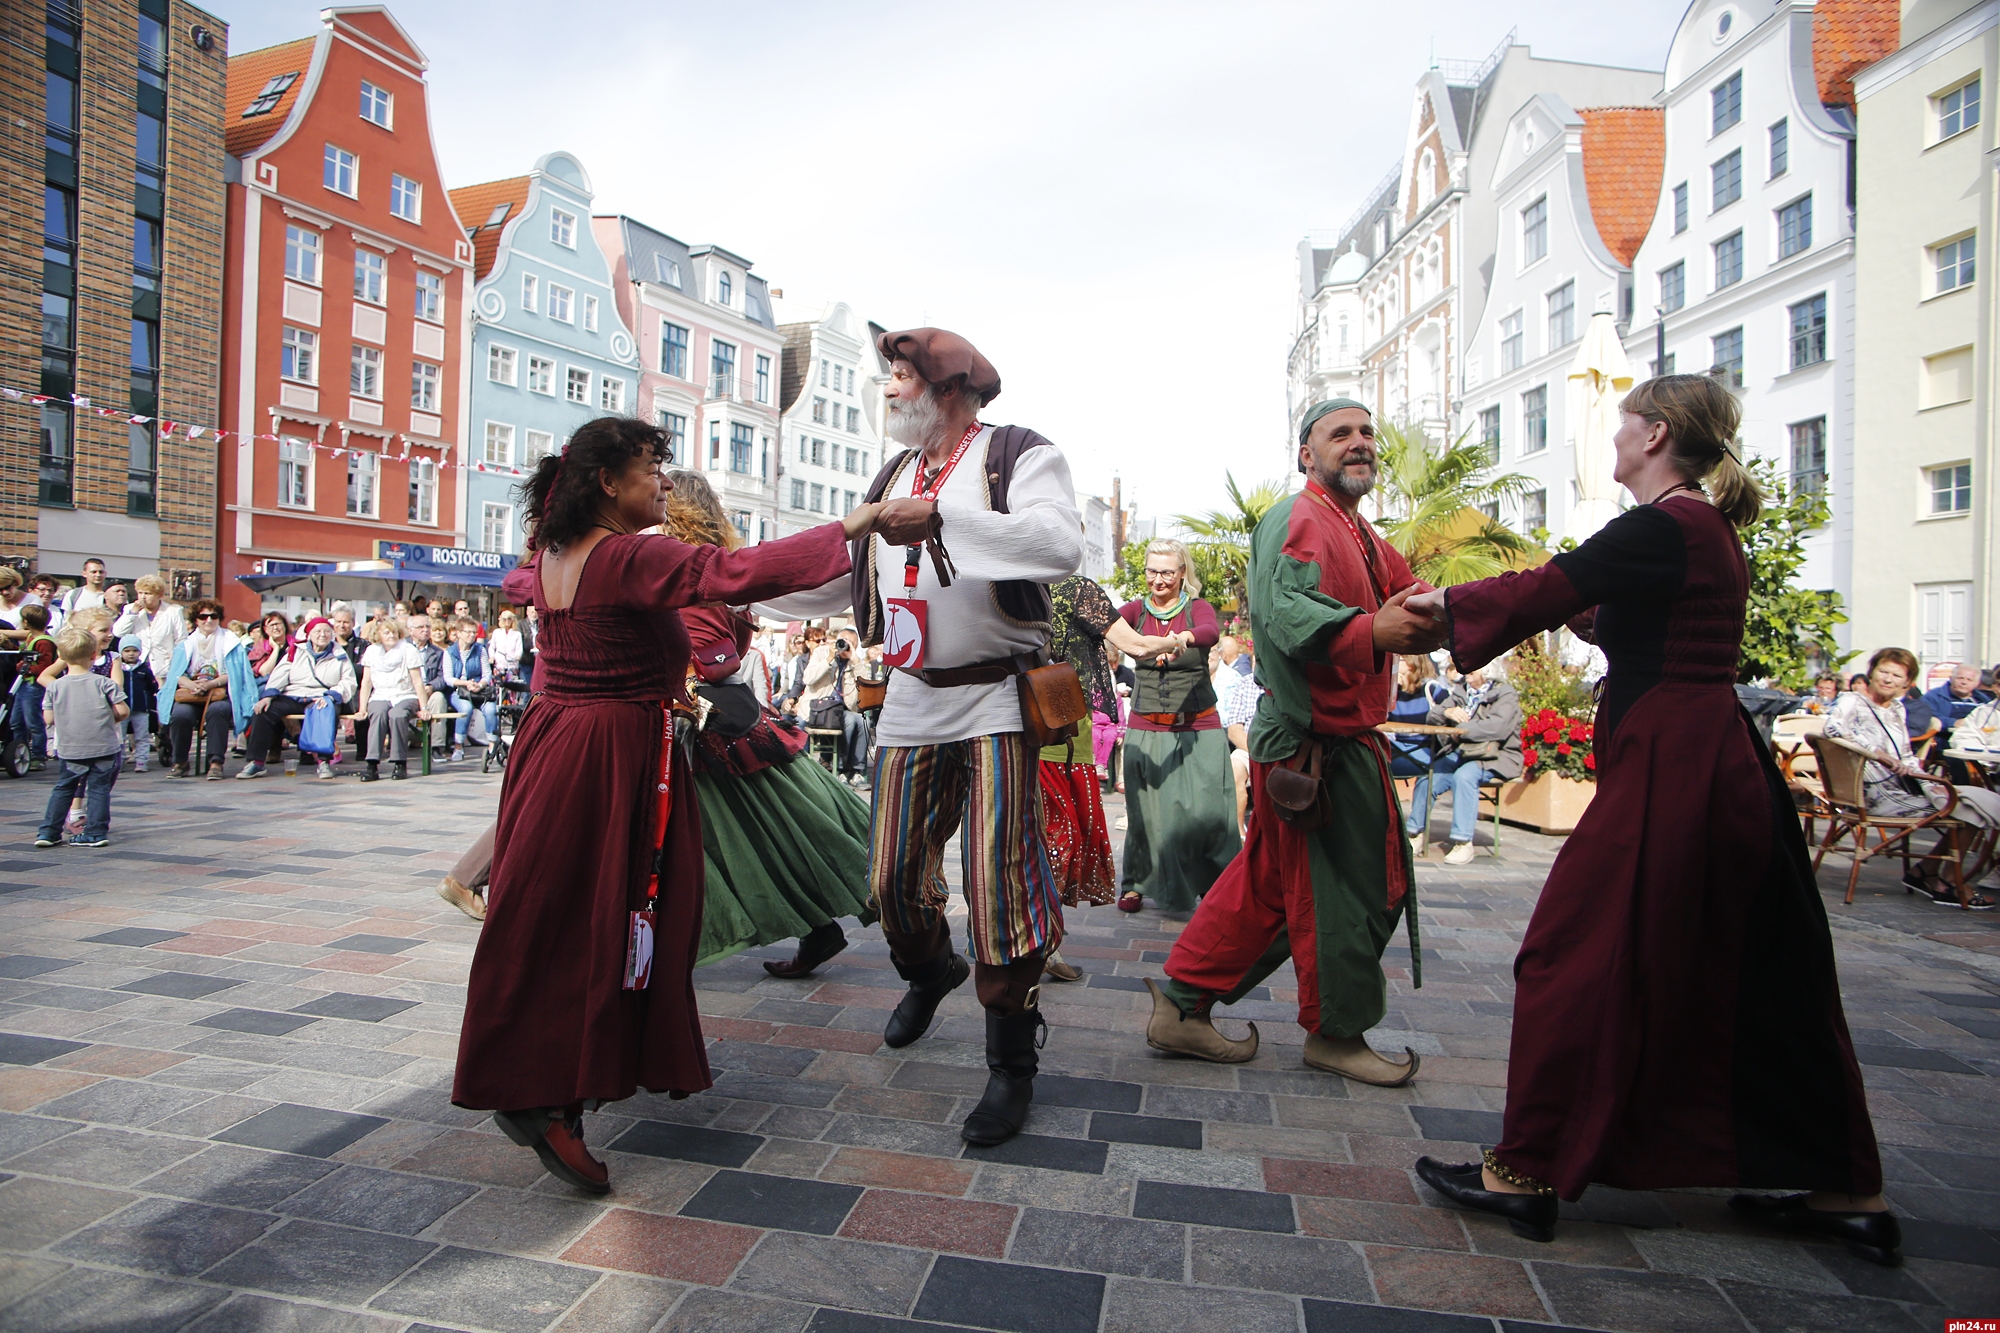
959,627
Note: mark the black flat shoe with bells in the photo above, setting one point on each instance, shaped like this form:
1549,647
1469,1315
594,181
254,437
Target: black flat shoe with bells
1533,1216
1877,1237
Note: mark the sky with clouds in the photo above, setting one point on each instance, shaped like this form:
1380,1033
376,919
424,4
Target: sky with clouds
1106,198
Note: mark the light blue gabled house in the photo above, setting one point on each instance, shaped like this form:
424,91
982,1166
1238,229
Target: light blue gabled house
549,351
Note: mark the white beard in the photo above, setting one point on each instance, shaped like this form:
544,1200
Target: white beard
1355,487
915,425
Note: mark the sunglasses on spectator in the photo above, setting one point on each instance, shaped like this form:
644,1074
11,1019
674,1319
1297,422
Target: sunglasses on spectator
204,615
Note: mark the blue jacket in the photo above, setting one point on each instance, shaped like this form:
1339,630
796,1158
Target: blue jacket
235,669
1949,710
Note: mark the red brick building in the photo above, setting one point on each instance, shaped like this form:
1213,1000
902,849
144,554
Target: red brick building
344,369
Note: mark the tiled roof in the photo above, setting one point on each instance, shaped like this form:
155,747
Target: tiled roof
1849,35
1624,152
475,204
248,73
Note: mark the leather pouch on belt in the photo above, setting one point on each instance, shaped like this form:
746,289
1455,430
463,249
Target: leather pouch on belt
1052,703
1296,790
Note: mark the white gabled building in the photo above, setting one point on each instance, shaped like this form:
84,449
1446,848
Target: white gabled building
1748,266
830,391
1574,192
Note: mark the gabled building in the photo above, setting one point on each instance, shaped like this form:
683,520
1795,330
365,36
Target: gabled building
344,369
708,350
1748,264
110,279
827,388
1926,545
1577,191
549,348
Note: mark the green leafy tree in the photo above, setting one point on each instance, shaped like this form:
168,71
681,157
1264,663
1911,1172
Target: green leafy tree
1130,579
1425,492
1219,541
1789,630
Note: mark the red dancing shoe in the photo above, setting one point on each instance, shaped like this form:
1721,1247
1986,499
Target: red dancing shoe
1130,901
560,1147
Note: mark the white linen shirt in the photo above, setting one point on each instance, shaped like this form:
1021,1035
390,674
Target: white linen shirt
1041,541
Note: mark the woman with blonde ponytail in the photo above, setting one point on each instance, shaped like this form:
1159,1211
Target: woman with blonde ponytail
1677,1016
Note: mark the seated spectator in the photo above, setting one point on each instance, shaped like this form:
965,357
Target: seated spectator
1873,718
313,669
1418,691
1488,711
468,674
505,641
1951,702
1820,702
142,692
278,644
1917,714
392,690
1237,705
38,654
1857,681
208,683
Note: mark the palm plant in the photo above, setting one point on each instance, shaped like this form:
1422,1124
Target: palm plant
1220,539
1434,506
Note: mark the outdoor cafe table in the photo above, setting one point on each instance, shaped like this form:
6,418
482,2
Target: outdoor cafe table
1430,751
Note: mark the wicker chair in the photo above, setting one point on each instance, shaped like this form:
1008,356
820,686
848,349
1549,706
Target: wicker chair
1798,766
1841,766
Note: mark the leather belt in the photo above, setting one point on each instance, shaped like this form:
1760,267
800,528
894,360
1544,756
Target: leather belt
1176,719
978,673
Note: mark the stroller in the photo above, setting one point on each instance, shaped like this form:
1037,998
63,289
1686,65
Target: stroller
13,748
513,703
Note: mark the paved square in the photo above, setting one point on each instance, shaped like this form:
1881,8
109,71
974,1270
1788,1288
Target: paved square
226,1047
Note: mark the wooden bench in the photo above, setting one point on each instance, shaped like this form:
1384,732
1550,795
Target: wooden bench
825,742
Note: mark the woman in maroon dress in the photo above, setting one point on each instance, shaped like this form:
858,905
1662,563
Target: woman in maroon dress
1677,1016
550,1029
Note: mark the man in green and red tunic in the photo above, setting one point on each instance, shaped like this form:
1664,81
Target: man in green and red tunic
1326,601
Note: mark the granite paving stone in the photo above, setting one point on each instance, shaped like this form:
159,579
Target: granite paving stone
104,1156
684,1249
360,1196
693,1143
21,1049
506,1294
1040,1150
1209,1206
751,1199
310,1130
322,1262
706,1310
171,1237
621,1303
1013,1297
239,1177
89,1300
245,1313
34,1213
837,1272
1157,1307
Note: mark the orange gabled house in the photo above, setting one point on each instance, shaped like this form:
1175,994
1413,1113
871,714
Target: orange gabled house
347,277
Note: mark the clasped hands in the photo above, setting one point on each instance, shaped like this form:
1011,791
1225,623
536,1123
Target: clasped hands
902,522
1414,620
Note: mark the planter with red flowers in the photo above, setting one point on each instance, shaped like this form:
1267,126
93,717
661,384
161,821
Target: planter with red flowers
1558,776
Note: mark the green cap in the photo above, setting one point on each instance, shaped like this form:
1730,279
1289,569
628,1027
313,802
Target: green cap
1318,410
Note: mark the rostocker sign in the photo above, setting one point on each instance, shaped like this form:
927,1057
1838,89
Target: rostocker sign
443,563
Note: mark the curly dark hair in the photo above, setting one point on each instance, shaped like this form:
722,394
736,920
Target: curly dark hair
561,496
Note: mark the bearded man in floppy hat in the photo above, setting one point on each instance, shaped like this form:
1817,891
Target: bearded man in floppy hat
951,747
1326,601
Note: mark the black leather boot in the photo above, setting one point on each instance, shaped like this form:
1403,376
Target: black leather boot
1877,1237
1010,1082
1533,1216
814,948
929,984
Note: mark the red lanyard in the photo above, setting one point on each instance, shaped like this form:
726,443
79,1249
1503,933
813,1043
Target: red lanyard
930,492
1354,528
665,802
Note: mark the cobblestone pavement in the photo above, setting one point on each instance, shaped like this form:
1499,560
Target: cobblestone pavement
227,1054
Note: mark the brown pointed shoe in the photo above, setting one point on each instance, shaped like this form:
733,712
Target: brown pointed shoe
563,1153
1354,1058
1174,1032
464,899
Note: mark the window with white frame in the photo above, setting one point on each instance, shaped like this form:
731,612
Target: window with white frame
1725,103
798,494
721,368
1513,342
496,527
364,468
339,170
673,351
853,460
1535,419
562,303
742,445
1795,227
364,377
1680,208
302,250
825,368
722,289
423,490
1951,489
295,460
371,277
675,424
1725,179
1673,287
562,228
819,411
430,296
1535,230
1957,110
590,314
1535,512
500,364
576,386
763,379
854,421
424,380
850,379
535,446
499,451
1562,316
541,375
819,453
610,394
406,198
1728,260
1952,264
1489,432
1808,455
1726,355
298,355
1808,320
1781,148
376,105
531,293
818,502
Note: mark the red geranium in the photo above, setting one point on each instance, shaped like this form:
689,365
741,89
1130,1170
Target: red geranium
1562,749
1590,762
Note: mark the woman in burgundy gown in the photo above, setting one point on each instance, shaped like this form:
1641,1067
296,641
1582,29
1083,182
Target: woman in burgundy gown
1677,1015
550,1029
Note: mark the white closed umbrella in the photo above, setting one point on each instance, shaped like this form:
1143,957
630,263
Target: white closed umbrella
1599,378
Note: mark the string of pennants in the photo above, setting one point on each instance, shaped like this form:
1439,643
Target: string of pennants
191,432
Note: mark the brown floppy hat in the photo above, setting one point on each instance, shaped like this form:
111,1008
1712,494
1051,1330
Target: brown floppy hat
940,355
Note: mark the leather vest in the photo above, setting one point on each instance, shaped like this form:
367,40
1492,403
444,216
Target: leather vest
1181,686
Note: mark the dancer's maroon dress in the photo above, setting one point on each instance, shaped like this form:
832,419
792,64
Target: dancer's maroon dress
547,1020
1677,1017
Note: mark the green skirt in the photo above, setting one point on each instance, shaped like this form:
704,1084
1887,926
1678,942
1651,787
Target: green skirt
1180,814
786,851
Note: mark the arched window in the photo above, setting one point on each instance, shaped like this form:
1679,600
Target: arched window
722,289
1426,178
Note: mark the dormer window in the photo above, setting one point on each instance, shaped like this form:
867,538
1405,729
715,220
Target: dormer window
268,97
722,286
668,271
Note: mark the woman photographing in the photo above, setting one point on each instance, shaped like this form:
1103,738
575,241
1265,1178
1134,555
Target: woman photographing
596,796
1677,1015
